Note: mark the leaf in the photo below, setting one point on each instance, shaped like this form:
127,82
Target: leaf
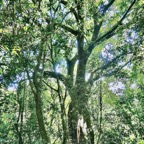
25,28
141,142
16,50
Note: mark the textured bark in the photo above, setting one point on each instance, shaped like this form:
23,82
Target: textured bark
79,105
79,96
72,123
76,108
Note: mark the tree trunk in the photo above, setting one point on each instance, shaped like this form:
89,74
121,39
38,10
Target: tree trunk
64,124
79,106
19,134
79,98
73,114
72,123
40,119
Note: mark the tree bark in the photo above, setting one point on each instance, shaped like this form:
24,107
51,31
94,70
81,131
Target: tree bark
76,108
19,134
39,113
79,97
79,106
36,87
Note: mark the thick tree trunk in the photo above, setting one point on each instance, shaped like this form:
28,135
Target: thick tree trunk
74,111
72,123
79,98
79,106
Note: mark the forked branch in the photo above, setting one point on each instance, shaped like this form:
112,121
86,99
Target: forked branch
111,32
71,9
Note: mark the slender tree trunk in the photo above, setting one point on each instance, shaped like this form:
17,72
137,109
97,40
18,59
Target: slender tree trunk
100,113
65,131
19,134
39,113
64,125
36,89
19,123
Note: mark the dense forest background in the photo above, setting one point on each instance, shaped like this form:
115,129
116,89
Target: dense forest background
71,71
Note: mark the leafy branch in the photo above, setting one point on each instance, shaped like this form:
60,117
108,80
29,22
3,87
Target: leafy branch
111,32
71,9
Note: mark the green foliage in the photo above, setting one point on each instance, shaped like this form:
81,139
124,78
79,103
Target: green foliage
47,67
141,142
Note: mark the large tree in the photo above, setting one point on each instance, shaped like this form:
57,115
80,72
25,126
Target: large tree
59,39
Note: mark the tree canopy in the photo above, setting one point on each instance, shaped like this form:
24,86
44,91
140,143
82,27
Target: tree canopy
71,71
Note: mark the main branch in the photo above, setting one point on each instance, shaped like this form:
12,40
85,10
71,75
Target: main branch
55,75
